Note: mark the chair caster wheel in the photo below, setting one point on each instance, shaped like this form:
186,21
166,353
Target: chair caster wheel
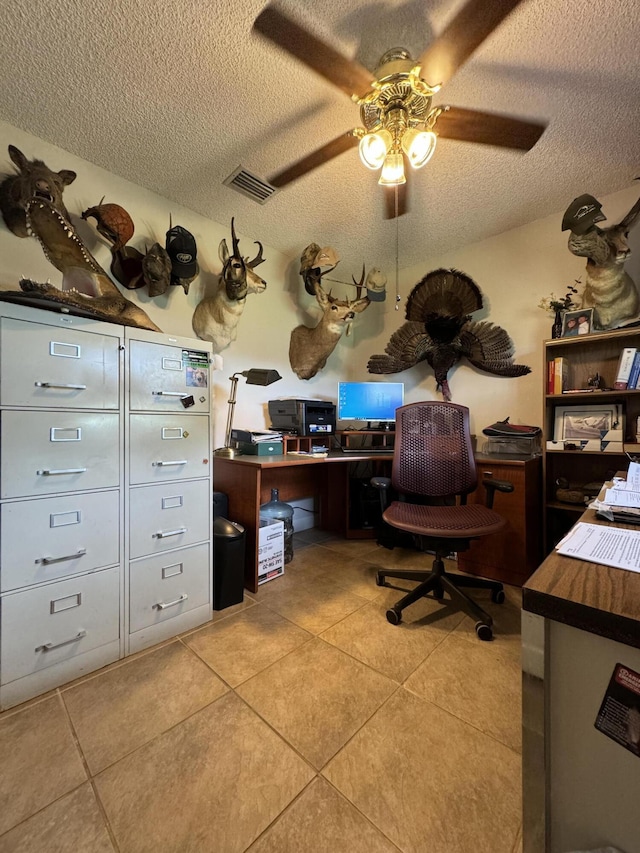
379,579
394,617
497,596
483,630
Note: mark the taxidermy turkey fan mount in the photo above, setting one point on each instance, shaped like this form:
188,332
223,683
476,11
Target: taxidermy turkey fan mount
401,124
440,331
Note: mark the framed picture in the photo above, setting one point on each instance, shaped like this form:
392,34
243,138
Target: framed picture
580,423
577,322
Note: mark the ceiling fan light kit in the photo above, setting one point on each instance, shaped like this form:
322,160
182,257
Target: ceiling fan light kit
392,170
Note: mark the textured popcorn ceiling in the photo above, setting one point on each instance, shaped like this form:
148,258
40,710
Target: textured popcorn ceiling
174,96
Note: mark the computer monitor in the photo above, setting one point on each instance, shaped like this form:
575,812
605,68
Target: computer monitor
369,401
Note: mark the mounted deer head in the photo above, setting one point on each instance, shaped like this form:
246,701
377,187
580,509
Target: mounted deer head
309,348
608,288
33,179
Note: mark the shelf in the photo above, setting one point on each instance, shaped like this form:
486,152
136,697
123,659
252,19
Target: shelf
577,508
600,453
593,396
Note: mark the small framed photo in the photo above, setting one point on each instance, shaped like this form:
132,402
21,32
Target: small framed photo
581,423
577,322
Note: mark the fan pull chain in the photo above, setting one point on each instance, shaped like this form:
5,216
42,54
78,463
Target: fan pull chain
397,305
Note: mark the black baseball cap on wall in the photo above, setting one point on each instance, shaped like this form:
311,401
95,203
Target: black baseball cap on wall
181,248
582,214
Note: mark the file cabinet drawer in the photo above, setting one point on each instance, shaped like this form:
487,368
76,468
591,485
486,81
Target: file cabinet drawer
168,585
49,452
50,624
168,515
168,447
49,538
161,375
51,366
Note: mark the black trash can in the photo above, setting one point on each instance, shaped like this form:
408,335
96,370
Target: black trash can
228,563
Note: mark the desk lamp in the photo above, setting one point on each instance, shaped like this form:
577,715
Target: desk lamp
254,376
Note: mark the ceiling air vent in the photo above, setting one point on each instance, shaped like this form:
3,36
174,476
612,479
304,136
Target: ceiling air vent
250,185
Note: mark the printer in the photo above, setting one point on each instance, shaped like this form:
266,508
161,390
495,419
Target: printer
303,417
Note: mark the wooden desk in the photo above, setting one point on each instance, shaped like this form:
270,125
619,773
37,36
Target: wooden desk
512,555
580,788
248,480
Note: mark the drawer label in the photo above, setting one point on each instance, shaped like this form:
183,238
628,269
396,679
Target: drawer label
65,434
172,571
62,350
62,519
66,603
170,433
171,364
172,502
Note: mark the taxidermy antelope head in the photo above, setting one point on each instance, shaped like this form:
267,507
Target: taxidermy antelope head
34,179
608,288
216,318
309,349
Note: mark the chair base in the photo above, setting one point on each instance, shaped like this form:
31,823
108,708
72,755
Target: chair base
438,582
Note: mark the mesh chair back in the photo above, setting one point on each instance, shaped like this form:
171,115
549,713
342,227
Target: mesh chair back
433,455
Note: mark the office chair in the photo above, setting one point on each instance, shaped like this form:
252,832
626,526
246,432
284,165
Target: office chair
433,471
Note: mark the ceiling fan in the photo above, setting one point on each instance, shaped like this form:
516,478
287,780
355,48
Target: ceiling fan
400,123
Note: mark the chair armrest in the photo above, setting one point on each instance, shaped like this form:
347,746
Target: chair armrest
382,484
492,486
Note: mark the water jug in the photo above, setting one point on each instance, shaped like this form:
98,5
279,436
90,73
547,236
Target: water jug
280,511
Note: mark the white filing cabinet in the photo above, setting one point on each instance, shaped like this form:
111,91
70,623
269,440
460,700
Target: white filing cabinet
169,495
105,494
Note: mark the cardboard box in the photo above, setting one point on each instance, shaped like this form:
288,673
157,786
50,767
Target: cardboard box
270,550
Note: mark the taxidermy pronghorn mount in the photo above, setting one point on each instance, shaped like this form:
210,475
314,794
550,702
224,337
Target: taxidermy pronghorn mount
34,180
609,289
310,348
216,317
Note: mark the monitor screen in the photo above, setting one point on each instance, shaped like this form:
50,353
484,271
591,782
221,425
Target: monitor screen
369,401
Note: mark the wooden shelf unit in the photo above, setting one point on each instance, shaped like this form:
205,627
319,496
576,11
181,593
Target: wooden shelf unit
347,438
586,355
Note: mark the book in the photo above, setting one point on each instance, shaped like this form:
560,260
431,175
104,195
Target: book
624,368
561,375
551,367
634,374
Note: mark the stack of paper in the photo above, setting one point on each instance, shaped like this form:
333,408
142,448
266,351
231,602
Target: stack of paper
254,437
621,498
599,543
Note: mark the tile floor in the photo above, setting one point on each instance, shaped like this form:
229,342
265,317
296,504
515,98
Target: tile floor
300,721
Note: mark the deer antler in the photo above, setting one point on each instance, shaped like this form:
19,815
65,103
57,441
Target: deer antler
235,240
359,284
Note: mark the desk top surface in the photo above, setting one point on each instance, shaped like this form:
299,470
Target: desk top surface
595,598
289,459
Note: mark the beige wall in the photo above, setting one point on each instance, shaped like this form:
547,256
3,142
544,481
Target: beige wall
514,270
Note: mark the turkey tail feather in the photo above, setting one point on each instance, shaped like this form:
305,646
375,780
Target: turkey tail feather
444,291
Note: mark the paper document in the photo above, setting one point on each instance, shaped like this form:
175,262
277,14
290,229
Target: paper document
598,543
621,497
631,483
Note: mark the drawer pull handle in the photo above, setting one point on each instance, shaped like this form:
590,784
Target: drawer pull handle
46,561
49,472
161,534
169,394
161,464
161,605
56,385
47,647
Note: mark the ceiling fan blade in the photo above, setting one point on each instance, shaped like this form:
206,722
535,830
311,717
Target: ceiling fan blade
322,155
344,73
466,32
488,128
390,200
